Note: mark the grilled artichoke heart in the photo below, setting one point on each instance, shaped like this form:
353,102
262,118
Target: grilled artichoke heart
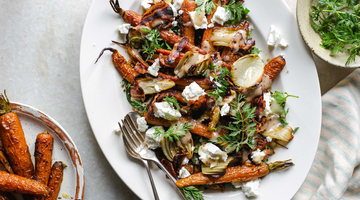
220,167
154,85
183,145
192,64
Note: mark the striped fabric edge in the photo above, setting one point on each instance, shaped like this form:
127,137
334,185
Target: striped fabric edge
335,172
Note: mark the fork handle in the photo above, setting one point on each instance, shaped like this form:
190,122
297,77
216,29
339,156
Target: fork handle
156,196
173,180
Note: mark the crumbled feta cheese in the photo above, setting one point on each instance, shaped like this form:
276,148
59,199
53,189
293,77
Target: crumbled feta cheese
181,12
211,78
251,28
251,188
268,138
210,154
225,109
174,23
177,4
237,184
195,18
220,16
257,156
164,110
271,105
142,124
183,173
154,68
193,92
146,4
210,25
283,43
185,161
192,148
151,140
274,36
124,28
218,84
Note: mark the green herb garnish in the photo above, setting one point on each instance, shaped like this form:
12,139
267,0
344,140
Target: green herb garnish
172,101
153,42
237,11
255,51
280,98
222,84
174,132
295,130
338,24
138,105
192,192
242,129
209,6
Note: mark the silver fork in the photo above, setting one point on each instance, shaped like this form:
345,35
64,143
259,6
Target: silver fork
136,143
137,156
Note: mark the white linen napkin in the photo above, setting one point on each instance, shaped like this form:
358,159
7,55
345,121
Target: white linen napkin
335,172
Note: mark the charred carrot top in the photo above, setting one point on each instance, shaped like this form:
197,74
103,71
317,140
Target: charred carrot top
4,104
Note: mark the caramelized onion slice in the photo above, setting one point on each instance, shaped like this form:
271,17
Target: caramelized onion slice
247,71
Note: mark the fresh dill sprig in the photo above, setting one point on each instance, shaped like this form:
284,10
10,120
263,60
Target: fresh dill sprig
192,192
172,101
242,129
209,6
338,24
152,42
138,105
174,132
280,98
237,11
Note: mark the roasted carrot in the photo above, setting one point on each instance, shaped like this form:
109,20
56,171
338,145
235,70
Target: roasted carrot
6,196
43,154
199,128
129,16
234,174
13,139
185,20
121,65
14,183
206,44
273,68
56,178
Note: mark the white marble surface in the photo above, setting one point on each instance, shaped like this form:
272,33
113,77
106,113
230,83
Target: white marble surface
39,66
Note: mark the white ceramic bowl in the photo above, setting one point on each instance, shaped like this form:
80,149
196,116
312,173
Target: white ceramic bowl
313,39
33,122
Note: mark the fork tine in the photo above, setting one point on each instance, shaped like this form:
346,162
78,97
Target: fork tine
130,121
132,132
128,148
126,137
